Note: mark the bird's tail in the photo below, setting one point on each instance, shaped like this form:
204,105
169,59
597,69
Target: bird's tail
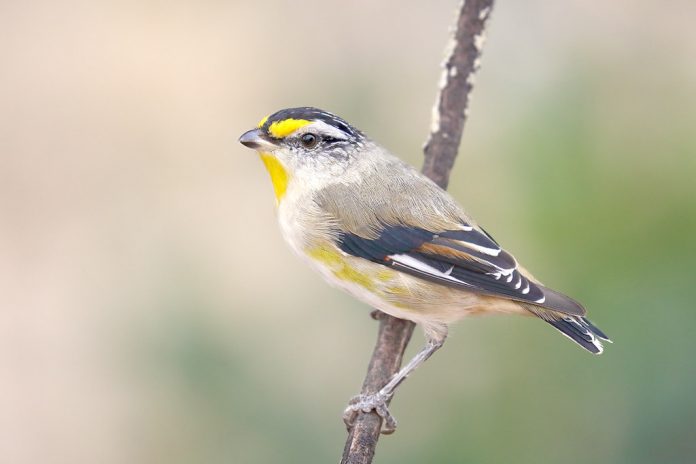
581,331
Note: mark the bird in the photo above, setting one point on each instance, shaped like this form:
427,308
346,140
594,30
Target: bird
379,229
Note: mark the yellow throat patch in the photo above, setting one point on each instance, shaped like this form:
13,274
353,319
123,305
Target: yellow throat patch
279,175
281,129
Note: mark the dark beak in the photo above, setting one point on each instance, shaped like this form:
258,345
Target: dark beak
255,139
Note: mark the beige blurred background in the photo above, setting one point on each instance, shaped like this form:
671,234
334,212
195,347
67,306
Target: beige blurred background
150,312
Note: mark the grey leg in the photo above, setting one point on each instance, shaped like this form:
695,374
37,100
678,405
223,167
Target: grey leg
378,401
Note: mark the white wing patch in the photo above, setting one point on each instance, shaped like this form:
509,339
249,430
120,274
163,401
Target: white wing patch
414,263
482,249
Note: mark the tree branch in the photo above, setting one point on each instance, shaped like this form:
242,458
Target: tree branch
440,150
457,79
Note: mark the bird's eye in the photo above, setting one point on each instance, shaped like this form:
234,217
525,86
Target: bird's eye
309,140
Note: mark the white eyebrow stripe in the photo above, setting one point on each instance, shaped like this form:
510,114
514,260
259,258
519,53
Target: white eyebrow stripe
322,128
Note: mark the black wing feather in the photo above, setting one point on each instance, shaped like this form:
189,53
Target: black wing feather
476,263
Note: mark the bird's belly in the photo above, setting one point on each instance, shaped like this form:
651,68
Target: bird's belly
401,295
431,305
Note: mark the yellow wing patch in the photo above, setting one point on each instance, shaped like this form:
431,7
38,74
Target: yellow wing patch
279,175
281,129
342,269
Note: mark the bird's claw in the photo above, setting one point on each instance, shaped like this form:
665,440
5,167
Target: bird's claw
376,402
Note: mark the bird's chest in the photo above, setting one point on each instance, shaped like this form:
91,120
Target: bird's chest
301,223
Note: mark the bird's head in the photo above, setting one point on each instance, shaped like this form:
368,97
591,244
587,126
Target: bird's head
305,142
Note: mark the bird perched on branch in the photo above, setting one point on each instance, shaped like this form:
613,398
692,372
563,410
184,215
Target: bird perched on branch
379,229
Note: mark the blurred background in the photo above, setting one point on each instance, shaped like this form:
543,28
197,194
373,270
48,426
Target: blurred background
150,311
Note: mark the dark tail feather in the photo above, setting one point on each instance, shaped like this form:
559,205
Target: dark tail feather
582,332
596,330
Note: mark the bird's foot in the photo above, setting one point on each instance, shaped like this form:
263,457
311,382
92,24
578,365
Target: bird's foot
376,402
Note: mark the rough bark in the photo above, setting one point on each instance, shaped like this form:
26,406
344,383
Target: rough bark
456,82
440,150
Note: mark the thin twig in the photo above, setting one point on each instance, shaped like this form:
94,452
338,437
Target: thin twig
440,150
456,82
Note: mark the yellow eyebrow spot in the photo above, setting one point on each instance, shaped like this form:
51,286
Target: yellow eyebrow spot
281,129
262,122
279,176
